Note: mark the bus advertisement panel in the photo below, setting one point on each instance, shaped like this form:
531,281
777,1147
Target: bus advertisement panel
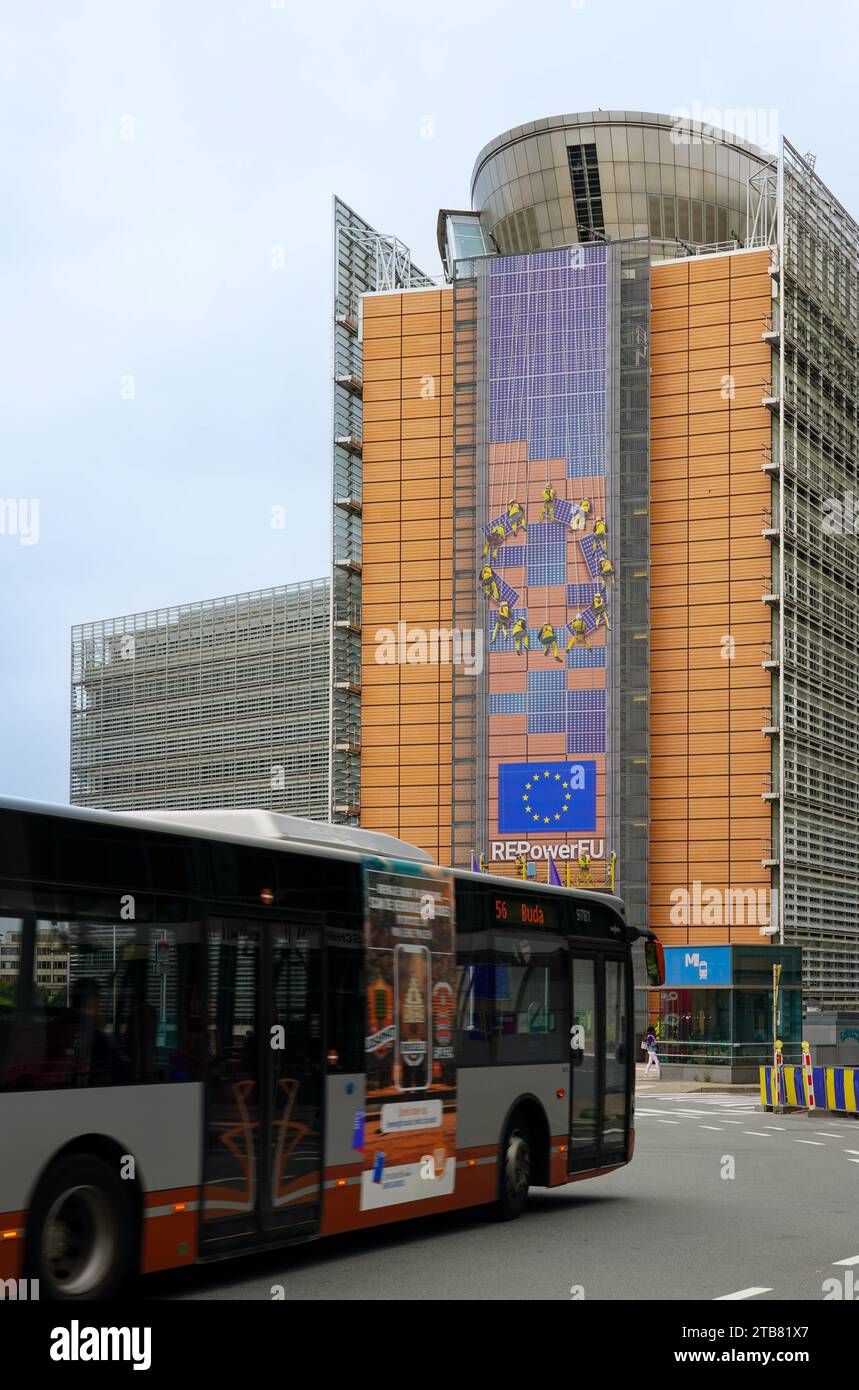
409,1125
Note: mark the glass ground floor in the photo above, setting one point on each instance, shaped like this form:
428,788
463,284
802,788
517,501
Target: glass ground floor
716,1007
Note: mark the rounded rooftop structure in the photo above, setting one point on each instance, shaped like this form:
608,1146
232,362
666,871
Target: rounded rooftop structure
615,174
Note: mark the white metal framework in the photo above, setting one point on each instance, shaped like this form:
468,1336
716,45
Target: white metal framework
214,704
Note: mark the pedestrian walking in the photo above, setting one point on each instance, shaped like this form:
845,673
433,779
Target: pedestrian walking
652,1054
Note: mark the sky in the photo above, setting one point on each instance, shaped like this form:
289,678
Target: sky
167,172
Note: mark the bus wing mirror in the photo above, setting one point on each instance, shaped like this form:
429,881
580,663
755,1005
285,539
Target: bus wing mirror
654,960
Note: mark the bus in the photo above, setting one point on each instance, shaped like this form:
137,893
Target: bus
226,1030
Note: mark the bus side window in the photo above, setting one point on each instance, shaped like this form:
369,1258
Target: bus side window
99,1004
530,998
474,1006
347,1022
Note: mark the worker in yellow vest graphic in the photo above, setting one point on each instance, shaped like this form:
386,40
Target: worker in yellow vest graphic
550,644
489,582
580,514
502,619
550,497
584,876
520,634
606,571
494,540
600,611
600,535
579,632
515,516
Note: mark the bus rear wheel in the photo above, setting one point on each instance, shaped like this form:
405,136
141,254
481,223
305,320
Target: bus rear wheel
79,1230
514,1176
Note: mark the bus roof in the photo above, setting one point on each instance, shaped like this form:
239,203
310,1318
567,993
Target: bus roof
272,829
257,826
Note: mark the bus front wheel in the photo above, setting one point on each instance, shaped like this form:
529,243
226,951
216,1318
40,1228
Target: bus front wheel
515,1170
78,1230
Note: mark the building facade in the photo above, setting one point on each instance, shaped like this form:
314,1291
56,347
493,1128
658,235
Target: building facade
616,174
623,428
223,703
365,261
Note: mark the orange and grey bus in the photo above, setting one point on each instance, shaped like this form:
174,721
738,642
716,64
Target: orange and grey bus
226,1030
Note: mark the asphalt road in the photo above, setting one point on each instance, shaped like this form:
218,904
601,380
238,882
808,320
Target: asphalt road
668,1226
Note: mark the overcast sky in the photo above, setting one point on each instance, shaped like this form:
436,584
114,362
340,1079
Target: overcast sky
162,386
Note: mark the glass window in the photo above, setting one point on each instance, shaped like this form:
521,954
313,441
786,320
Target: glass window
616,1055
753,965
99,1004
694,1025
530,999
721,224
584,1076
512,1004
345,990
655,205
475,1003
668,211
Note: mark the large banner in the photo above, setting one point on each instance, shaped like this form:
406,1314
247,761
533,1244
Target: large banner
409,1124
547,557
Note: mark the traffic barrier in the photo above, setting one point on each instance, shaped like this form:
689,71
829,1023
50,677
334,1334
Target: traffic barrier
810,1092
842,1089
813,1088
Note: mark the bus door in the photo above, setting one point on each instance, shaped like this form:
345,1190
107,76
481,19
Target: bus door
262,1168
599,1060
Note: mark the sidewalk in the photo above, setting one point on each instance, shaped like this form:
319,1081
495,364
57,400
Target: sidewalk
689,1087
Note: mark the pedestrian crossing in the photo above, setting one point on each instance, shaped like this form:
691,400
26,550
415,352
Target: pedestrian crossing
726,1113
695,1106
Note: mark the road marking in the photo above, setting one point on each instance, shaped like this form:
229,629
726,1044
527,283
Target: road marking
741,1293
668,1122
853,1260
759,1134
730,1122
851,1151
827,1134
815,1142
718,1128
781,1127
853,1160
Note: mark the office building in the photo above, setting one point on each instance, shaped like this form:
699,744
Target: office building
644,348
223,703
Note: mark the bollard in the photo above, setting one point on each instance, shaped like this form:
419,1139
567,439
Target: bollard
809,1076
777,1070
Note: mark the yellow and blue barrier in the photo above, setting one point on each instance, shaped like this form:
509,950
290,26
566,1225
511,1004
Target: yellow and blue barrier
832,1088
842,1089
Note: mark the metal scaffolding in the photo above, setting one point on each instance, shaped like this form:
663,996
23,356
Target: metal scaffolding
815,337
216,704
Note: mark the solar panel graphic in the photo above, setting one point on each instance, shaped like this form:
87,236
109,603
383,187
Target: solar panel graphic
545,422
587,545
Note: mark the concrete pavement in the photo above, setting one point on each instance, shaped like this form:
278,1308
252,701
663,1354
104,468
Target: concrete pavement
721,1201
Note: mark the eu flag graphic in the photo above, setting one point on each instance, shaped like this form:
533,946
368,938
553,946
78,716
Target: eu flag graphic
547,798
